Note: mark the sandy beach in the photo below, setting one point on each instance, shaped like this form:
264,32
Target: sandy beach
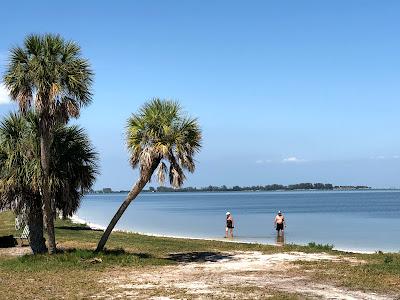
219,276
223,276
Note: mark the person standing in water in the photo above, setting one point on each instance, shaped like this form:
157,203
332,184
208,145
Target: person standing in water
229,224
280,223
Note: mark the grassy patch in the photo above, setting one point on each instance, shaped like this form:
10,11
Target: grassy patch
80,259
373,272
385,264
7,223
322,247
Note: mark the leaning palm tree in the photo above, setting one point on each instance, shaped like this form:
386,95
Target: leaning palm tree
158,134
72,172
49,76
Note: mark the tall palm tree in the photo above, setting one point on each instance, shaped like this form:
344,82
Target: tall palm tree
159,133
72,172
49,76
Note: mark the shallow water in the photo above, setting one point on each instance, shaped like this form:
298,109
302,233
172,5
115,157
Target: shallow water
355,220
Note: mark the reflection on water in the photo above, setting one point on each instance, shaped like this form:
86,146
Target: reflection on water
348,220
280,239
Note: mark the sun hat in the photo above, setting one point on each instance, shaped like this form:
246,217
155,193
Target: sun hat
228,213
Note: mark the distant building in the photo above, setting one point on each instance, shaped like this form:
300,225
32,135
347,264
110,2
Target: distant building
107,190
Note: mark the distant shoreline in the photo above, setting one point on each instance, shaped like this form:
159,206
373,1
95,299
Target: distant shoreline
303,186
244,191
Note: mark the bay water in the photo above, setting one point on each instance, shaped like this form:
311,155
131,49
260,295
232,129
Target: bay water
350,220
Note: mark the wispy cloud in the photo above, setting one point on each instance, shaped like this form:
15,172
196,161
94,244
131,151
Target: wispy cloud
263,161
4,97
383,157
293,159
290,159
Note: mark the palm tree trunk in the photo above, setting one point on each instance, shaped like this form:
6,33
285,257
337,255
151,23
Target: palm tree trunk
45,141
136,189
35,223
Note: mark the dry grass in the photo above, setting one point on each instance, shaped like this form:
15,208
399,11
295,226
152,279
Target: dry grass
374,273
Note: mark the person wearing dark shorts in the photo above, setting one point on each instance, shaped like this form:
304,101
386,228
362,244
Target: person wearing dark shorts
280,223
229,224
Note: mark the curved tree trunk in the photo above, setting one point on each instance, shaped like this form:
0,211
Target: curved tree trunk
45,143
35,223
136,189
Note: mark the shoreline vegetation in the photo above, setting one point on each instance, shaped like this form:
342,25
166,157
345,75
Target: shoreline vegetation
236,188
140,266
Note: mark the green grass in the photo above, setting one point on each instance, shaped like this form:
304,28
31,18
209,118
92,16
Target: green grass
7,223
374,272
326,247
385,264
80,259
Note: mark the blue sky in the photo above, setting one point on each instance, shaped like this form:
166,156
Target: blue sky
285,91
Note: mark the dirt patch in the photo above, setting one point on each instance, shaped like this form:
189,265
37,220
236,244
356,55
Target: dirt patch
15,251
238,275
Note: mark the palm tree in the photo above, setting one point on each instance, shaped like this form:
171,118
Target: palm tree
19,187
74,168
158,134
72,172
49,76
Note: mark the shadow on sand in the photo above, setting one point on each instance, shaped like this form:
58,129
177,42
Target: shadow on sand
198,257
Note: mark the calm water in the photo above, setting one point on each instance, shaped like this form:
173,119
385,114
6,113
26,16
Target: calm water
367,220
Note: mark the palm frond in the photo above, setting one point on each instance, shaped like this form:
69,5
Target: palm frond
161,173
73,169
49,74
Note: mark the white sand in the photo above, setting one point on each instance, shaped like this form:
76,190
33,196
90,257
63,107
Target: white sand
250,275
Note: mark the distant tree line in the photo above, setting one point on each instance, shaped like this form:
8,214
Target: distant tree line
270,187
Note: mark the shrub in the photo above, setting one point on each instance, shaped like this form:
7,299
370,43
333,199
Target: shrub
326,247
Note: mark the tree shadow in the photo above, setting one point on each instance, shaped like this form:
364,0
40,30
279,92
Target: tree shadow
7,241
120,251
77,228
106,252
198,257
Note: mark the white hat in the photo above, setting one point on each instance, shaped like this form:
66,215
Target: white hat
228,213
